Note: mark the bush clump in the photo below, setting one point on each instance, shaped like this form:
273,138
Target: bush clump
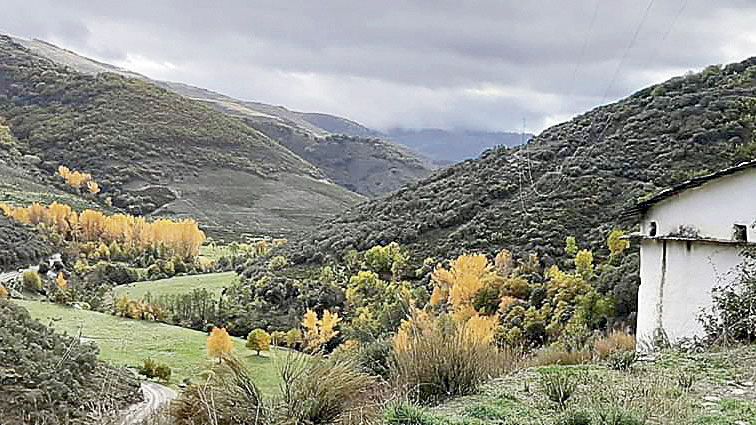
153,369
443,362
31,281
558,385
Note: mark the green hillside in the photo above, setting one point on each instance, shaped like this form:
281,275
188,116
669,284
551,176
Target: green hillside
213,283
575,178
125,342
153,151
21,245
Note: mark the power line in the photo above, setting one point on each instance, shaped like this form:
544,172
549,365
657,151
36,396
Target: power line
620,64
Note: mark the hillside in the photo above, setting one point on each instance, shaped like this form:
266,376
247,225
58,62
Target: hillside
153,151
21,245
49,378
575,178
126,342
361,163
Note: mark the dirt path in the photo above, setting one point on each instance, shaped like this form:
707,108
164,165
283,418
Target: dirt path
155,397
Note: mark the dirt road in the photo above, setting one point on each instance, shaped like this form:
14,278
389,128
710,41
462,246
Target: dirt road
155,397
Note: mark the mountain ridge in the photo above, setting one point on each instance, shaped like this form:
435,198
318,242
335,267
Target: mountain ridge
364,165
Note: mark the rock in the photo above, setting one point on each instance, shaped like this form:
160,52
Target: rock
712,399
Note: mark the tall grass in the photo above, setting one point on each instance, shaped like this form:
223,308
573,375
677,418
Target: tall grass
444,362
614,343
320,391
228,397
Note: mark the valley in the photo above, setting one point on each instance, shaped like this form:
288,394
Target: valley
170,255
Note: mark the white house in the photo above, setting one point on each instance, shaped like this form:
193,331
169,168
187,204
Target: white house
691,240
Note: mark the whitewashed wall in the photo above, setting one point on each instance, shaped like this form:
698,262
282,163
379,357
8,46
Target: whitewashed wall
712,209
675,286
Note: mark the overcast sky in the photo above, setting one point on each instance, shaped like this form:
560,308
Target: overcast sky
450,64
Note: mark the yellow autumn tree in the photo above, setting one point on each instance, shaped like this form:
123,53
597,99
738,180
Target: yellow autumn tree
318,332
77,179
61,281
458,285
181,238
258,340
4,294
219,344
480,329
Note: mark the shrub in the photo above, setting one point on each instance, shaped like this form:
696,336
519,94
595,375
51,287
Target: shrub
439,362
153,369
49,378
375,357
616,416
685,380
555,355
228,397
277,263
405,413
43,267
293,338
613,343
732,317
258,340
558,385
32,281
622,360
317,390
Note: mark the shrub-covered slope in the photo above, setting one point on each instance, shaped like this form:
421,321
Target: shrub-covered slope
573,179
48,378
361,164
20,245
152,150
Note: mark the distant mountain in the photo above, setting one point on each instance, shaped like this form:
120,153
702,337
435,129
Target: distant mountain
156,152
442,147
359,163
452,146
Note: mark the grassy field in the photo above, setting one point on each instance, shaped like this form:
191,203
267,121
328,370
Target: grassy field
212,282
127,342
715,388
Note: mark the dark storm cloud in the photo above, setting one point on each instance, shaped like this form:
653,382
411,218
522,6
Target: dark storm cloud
474,64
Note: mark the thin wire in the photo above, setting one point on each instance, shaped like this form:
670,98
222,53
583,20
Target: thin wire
571,85
583,48
627,50
620,64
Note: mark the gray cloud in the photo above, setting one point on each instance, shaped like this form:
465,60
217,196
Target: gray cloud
478,64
